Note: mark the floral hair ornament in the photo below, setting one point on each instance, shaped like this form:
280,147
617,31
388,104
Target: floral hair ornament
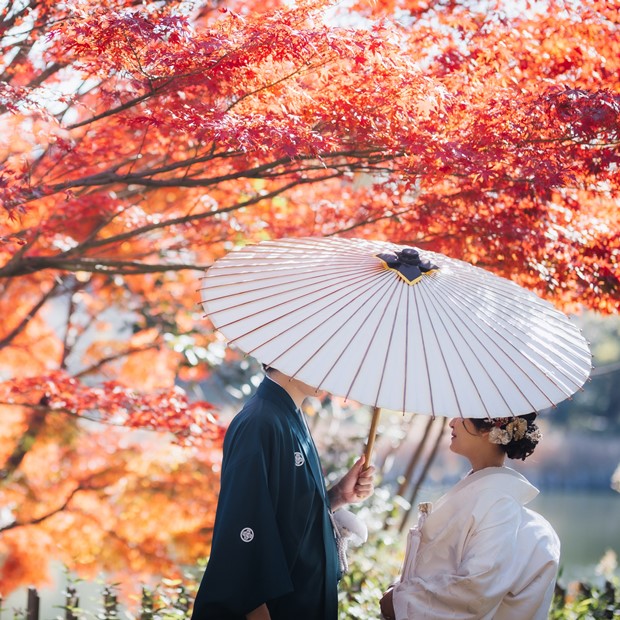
507,430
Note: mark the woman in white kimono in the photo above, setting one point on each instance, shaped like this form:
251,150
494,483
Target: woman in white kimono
479,553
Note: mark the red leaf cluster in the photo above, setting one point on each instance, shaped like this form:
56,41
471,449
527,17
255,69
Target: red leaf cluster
113,403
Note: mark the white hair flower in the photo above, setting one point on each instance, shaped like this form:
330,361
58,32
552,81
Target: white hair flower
513,429
499,436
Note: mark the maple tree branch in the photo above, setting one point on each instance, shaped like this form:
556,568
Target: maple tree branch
370,220
121,108
85,484
112,358
101,265
368,165
94,265
365,158
29,316
134,159
46,73
306,68
92,236
11,15
145,177
71,306
589,142
178,165
22,53
26,441
187,219
41,160
80,93
51,513
367,155
19,255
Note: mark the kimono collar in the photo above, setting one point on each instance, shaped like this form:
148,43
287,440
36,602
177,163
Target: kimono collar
270,390
505,479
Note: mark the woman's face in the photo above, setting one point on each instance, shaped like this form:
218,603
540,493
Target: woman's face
466,439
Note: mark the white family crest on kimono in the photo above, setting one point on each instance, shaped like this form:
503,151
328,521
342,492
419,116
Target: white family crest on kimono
479,554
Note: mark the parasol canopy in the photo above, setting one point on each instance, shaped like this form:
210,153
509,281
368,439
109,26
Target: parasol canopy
396,327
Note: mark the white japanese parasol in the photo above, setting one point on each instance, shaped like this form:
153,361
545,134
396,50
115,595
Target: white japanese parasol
395,327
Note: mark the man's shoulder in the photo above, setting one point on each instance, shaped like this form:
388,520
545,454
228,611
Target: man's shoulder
258,415
257,429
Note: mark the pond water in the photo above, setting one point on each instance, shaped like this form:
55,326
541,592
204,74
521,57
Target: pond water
588,525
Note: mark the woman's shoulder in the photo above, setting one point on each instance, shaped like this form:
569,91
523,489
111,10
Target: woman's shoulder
535,524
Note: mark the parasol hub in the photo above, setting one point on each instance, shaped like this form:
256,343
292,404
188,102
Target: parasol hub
407,264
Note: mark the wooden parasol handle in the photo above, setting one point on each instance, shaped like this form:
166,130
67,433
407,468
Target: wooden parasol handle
376,412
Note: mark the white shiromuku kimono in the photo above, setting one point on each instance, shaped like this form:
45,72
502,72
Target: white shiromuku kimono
480,554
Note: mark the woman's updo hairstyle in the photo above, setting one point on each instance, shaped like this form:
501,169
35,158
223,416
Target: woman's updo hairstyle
517,436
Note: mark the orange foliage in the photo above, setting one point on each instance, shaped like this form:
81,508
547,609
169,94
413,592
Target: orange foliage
141,141
119,514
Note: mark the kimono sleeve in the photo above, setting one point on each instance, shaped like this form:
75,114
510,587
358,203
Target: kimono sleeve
481,580
248,565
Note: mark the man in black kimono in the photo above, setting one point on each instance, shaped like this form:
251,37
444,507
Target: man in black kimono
274,552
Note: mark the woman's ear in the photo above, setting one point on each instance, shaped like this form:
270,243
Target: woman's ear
484,432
